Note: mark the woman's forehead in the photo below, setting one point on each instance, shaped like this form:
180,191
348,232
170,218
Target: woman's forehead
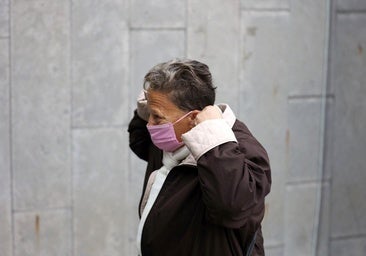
158,101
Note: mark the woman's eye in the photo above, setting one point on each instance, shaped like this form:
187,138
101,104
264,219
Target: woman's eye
157,119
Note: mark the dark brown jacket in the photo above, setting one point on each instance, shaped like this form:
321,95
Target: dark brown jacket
212,209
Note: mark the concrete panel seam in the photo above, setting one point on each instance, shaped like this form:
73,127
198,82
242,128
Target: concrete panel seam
186,13
100,127
348,237
266,12
71,116
265,9
70,60
307,182
10,127
157,28
310,96
350,12
50,209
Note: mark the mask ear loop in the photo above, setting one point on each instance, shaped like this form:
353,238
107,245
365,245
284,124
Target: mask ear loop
183,117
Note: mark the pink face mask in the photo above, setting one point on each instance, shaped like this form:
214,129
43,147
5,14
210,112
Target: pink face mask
163,135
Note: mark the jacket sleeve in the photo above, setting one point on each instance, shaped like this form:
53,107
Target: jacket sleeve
233,170
139,137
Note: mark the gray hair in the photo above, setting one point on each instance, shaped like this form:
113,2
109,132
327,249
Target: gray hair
188,83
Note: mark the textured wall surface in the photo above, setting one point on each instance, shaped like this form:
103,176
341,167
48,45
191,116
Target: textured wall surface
348,224
70,72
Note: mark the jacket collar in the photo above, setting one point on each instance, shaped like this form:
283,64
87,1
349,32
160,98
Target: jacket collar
227,114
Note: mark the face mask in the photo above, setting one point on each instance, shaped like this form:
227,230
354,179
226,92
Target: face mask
163,135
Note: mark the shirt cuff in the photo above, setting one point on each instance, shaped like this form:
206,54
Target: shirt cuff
207,135
142,110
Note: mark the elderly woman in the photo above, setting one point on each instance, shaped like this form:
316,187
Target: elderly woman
206,176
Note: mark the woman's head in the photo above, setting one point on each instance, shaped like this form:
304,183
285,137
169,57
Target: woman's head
187,83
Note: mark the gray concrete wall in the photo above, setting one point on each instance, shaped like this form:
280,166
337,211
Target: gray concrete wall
70,71
347,88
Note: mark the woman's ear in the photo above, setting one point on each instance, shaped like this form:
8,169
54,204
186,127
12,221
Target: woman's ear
192,118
